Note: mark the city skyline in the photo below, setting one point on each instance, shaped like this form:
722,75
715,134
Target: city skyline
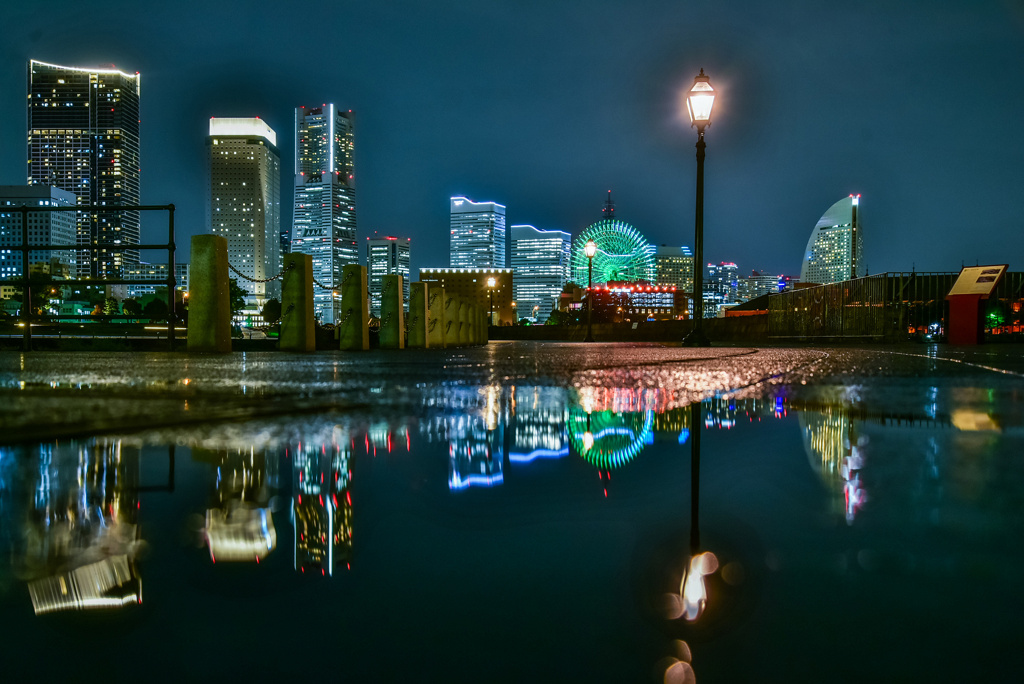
771,153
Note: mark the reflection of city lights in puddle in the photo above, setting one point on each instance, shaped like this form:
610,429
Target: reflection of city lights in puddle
689,603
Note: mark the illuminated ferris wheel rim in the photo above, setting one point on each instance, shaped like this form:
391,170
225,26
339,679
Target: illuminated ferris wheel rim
622,254
636,436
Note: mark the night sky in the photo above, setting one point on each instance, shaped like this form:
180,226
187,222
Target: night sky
544,106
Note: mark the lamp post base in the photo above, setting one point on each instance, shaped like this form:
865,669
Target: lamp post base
696,338
588,338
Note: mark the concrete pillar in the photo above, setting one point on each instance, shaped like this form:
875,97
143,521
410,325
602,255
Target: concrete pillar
463,323
418,316
209,305
435,316
450,319
354,316
298,333
392,313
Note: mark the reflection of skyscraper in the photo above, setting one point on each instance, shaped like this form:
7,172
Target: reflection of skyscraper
83,137
322,505
475,452
239,524
80,527
538,428
831,445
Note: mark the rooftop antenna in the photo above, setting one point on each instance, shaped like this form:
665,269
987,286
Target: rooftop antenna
609,207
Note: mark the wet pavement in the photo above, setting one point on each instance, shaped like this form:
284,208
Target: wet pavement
518,512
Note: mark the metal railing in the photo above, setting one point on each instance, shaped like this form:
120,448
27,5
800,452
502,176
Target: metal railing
25,247
889,306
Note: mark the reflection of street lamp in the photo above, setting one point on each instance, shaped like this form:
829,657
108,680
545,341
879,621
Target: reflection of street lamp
588,436
490,294
692,590
590,250
699,101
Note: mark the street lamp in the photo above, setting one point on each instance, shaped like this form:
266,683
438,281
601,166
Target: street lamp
699,101
490,294
590,250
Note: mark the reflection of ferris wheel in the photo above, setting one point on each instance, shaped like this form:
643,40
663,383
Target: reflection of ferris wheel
622,254
614,438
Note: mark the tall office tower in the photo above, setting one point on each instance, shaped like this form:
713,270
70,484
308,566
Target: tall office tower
244,206
835,250
674,266
478,234
386,256
83,137
44,227
324,219
721,283
540,268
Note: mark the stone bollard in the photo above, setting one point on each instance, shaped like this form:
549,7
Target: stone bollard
463,323
392,313
353,319
435,316
450,320
298,332
470,323
418,316
209,305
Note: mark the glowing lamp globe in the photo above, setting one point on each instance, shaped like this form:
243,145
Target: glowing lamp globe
700,100
590,249
491,282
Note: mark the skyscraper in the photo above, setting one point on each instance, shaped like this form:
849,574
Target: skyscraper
540,268
83,137
674,266
324,218
44,227
835,250
477,234
386,256
244,170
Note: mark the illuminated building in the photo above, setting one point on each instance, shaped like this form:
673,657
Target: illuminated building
623,254
618,302
757,284
721,283
674,267
322,504
386,256
835,250
147,271
477,234
83,137
471,285
540,267
48,227
324,218
244,171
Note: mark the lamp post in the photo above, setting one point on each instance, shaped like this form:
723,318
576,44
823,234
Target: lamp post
699,101
590,250
490,294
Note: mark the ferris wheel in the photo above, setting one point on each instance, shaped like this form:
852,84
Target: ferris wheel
622,254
